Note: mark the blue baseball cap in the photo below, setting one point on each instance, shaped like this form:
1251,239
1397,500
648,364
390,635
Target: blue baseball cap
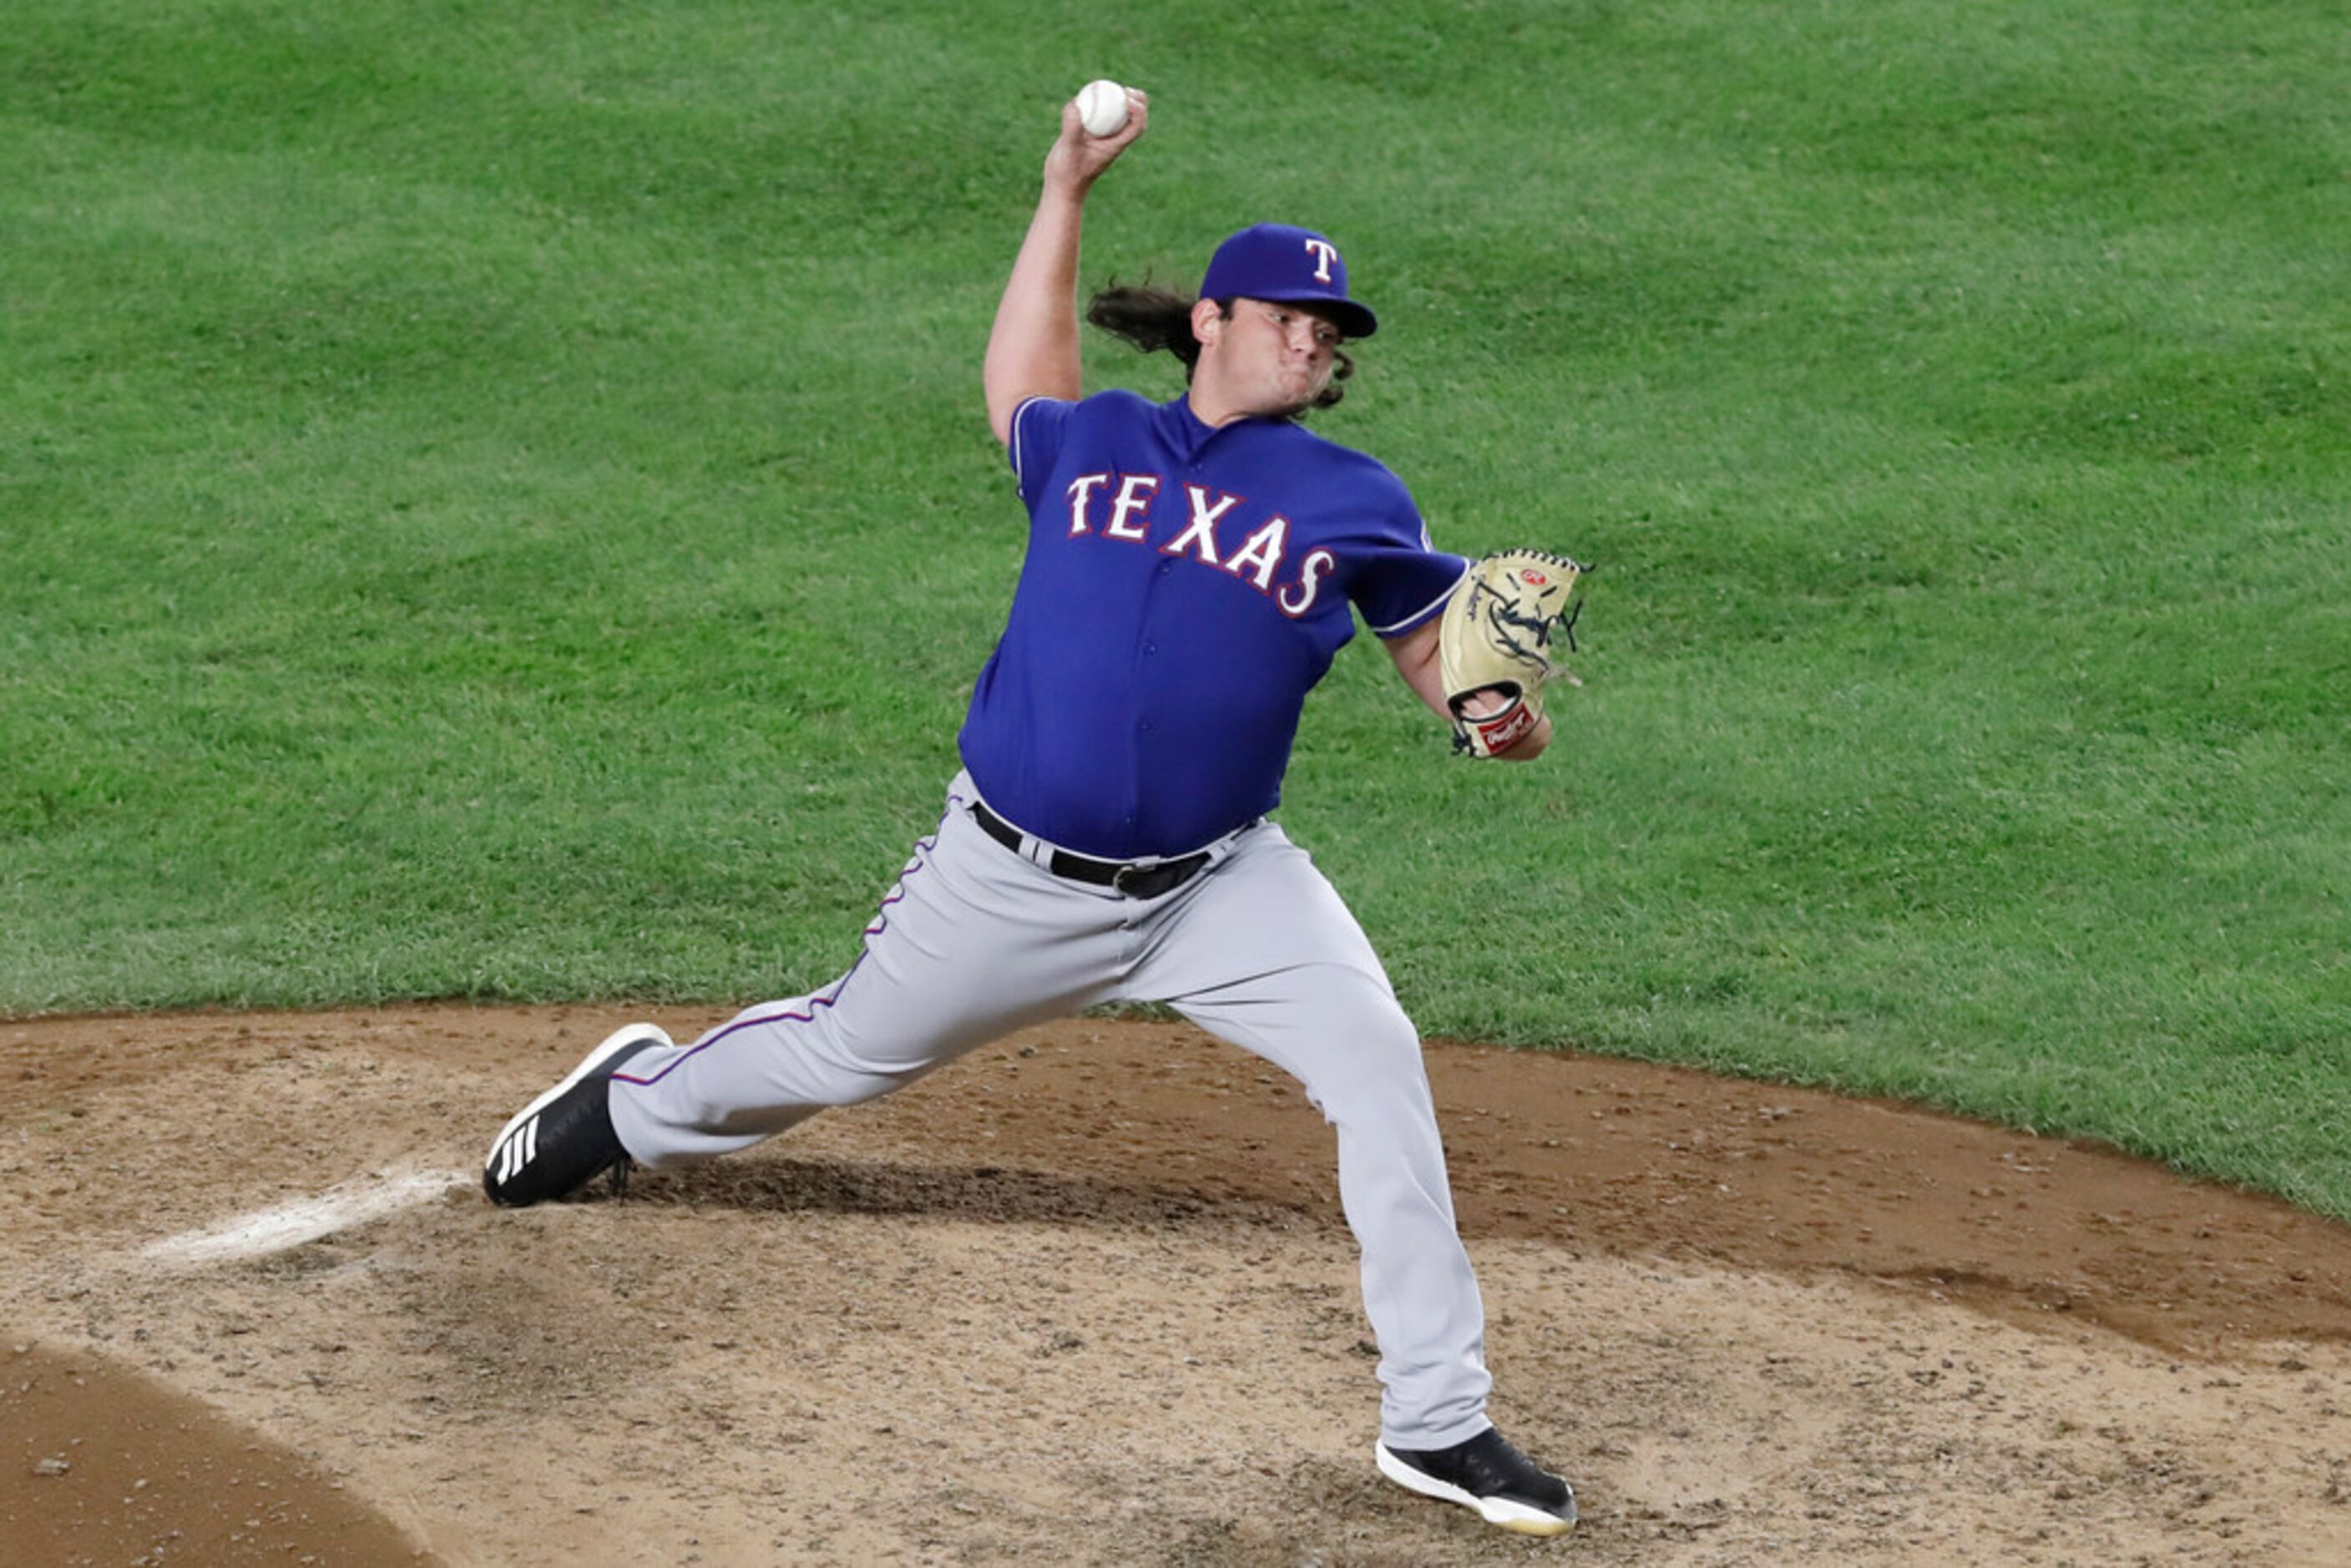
1292,266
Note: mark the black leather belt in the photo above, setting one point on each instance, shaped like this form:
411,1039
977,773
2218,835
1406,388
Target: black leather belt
1136,878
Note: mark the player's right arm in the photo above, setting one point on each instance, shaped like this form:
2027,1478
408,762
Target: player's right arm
1032,350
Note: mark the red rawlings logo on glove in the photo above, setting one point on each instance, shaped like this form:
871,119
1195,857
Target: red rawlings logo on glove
1507,728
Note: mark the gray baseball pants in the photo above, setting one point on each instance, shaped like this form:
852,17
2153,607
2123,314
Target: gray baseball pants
975,941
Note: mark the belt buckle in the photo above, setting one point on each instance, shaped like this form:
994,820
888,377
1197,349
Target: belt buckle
1137,870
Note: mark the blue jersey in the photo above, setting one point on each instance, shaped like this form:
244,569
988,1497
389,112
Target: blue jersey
1184,587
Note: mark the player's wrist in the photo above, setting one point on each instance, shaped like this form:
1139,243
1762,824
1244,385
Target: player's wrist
1068,178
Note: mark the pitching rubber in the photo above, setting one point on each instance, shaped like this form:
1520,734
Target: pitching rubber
1517,1517
619,1040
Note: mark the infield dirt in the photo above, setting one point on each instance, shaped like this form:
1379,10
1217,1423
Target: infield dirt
1087,1297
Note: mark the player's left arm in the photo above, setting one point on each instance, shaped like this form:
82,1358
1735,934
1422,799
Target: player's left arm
1414,654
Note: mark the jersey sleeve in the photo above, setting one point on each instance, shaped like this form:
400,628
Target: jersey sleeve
1399,579
1038,426
1437,575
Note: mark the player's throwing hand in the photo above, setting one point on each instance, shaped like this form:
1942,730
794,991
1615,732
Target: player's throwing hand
1079,156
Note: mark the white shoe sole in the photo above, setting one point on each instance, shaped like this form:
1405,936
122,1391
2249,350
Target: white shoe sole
619,1041
1500,1512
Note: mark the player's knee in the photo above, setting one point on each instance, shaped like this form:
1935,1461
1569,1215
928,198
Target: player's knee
1376,1073
1384,1034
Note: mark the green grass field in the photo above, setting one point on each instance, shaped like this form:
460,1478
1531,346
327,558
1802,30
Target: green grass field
497,502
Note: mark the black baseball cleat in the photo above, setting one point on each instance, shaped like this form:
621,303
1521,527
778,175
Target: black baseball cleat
564,1139
1487,1474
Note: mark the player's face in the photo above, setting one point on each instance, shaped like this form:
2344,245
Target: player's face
1267,358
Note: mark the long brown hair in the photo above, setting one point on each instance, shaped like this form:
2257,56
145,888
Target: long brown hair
1153,318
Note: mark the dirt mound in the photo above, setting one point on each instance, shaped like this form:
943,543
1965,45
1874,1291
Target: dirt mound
1088,1297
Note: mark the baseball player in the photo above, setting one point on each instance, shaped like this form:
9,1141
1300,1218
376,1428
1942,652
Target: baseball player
1189,574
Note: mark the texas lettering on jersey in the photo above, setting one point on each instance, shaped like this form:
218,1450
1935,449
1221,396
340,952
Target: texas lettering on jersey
1122,507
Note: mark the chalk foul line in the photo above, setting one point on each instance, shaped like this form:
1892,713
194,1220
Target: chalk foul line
305,1219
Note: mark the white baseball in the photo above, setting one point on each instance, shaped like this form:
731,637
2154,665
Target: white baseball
1102,108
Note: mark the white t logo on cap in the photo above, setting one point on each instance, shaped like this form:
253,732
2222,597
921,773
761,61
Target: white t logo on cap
1324,254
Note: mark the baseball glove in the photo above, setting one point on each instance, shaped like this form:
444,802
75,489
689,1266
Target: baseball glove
1497,634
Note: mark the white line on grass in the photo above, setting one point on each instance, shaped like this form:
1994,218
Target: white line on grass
305,1218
